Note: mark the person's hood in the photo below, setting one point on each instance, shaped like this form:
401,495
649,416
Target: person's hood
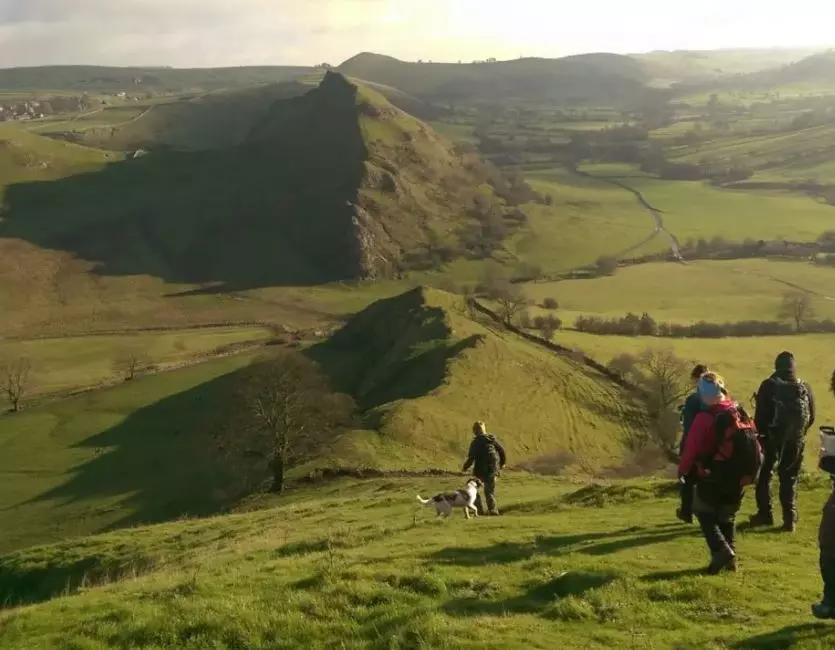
724,405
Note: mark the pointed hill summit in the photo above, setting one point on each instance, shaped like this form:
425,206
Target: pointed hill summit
336,184
423,371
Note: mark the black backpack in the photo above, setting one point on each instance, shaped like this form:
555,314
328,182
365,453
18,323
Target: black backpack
791,407
491,454
738,458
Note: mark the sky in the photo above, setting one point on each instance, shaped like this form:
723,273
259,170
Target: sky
196,33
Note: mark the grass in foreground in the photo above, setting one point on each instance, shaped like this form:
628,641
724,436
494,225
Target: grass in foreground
361,565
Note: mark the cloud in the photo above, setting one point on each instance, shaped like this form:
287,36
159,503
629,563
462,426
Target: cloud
181,32
251,32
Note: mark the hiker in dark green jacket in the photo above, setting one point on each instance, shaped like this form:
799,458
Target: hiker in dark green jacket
486,457
692,407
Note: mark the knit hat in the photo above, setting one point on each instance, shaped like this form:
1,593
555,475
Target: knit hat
784,363
710,390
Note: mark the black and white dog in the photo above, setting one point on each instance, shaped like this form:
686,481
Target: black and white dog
465,498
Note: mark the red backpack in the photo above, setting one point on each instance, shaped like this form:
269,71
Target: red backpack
738,458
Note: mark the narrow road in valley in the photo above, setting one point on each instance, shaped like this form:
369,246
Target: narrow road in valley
654,212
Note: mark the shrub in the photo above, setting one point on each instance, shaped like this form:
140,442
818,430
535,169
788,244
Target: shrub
606,265
550,303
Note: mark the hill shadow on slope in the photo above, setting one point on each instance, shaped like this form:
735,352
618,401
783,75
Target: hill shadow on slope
156,458
159,459
537,597
790,637
274,211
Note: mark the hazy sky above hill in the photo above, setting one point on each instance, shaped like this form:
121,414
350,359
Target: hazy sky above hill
246,32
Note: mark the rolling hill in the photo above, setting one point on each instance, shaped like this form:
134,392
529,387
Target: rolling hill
337,184
587,78
421,371
101,78
689,66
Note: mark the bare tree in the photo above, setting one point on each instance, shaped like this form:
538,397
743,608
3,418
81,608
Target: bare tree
665,381
798,307
130,362
16,375
283,412
512,301
468,297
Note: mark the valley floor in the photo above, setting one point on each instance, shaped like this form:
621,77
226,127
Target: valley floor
362,565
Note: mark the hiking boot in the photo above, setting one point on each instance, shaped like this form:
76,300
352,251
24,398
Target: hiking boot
686,517
761,519
732,566
824,611
720,560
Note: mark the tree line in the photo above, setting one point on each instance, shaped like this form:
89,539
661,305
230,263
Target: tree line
796,315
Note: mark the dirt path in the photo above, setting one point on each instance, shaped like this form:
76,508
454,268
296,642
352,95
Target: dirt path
654,212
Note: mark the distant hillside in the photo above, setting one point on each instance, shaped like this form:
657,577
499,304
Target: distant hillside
97,78
207,120
213,120
818,68
701,65
336,184
424,372
570,80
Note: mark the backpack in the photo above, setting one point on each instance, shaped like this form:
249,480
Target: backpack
791,407
739,455
491,454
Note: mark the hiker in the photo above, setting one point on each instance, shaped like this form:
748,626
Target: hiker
487,457
826,532
785,410
693,405
723,449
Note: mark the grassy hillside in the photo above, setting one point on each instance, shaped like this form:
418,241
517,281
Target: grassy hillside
794,156
337,184
361,565
582,79
697,65
421,371
212,120
135,453
723,291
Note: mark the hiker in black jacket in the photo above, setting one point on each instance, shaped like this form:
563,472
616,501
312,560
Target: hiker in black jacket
487,457
785,412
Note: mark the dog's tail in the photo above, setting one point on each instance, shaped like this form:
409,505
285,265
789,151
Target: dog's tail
425,502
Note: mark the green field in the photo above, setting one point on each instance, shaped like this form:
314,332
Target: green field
694,209
588,219
136,453
76,362
717,292
361,565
